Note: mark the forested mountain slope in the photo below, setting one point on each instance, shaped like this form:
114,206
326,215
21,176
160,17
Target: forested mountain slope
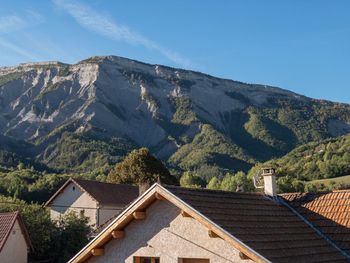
317,160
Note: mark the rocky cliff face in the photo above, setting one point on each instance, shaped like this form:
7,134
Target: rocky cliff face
171,111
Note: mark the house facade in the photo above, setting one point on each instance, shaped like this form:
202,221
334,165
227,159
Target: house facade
173,224
167,236
97,200
14,240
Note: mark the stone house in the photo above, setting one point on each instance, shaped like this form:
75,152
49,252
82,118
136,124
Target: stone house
14,239
180,225
97,200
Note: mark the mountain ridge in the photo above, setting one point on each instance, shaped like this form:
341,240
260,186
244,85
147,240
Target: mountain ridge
60,63
174,112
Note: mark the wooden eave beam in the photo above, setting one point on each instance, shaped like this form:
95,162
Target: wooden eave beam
159,196
138,215
212,234
117,234
98,251
243,256
185,214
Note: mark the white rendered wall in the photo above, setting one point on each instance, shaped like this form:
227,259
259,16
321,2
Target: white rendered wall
15,249
74,200
166,234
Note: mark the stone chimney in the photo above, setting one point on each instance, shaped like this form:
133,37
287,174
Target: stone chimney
270,185
143,187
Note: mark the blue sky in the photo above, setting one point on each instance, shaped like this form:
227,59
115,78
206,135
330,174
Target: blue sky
300,45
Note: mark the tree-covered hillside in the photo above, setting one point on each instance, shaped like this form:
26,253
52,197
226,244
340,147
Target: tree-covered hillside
300,168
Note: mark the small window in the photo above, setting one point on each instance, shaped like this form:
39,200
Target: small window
193,260
146,260
73,188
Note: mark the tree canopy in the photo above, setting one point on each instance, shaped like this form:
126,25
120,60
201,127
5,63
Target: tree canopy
140,166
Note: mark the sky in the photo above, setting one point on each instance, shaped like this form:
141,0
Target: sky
299,45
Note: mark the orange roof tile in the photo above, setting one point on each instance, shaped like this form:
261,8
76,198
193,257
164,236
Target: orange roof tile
329,211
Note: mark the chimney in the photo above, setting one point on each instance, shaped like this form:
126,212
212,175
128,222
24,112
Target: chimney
239,189
269,182
143,187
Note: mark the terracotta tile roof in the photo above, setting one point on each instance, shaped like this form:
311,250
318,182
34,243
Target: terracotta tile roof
108,193
329,211
7,221
266,226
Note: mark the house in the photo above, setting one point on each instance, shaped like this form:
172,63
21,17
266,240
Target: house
14,239
97,200
171,224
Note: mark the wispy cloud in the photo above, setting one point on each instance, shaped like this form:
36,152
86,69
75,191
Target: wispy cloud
94,21
11,23
14,22
23,52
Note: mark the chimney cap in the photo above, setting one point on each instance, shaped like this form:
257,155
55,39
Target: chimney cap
268,171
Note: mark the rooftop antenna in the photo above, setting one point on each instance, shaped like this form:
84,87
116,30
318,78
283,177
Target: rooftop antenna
258,179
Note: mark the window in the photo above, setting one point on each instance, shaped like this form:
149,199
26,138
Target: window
193,260
146,260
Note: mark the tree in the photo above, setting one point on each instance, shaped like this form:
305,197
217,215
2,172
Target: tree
310,187
188,179
242,181
71,235
140,166
229,183
214,183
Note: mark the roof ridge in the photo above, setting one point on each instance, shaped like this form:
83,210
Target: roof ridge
315,228
6,213
212,190
319,192
100,182
88,180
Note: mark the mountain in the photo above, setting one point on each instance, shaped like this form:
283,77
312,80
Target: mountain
81,116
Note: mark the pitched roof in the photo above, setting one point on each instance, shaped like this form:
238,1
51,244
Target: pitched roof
103,193
260,227
329,211
263,224
7,221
